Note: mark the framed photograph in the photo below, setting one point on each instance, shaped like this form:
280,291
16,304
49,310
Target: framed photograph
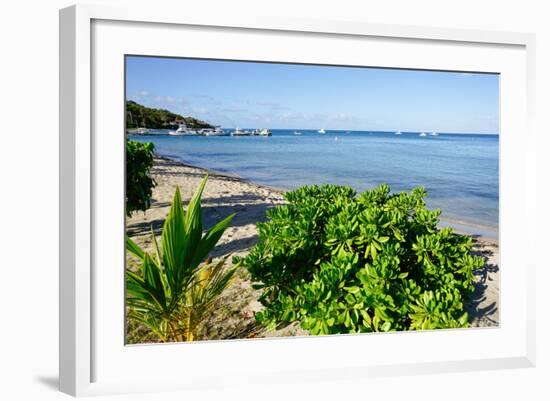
290,199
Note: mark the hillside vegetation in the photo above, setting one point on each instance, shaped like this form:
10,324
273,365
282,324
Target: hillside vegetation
138,115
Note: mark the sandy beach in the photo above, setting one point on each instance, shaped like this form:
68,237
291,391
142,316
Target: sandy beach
226,194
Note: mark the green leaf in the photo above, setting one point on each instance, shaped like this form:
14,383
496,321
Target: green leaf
210,239
151,274
193,225
373,251
353,290
134,248
174,244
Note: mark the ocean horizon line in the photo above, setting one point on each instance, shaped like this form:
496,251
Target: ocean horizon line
377,131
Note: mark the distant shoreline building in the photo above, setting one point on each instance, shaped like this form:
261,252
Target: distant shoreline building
180,122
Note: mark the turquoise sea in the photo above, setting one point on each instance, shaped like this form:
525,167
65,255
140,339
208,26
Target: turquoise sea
459,171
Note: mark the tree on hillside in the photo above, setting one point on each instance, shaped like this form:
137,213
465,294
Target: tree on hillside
138,115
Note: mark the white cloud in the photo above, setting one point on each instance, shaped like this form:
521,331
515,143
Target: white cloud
233,110
200,110
273,105
167,99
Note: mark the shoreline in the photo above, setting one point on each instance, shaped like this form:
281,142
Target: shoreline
481,232
226,194
216,173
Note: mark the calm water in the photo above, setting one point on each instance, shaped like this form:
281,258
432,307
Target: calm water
460,172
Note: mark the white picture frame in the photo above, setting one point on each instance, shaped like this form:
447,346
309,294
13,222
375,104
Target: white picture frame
93,357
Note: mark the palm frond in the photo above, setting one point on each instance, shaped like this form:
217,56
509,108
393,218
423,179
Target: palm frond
174,241
193,227
173,293
210,239
134,248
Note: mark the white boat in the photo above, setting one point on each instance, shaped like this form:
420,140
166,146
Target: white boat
297,133
239,132
178,132
138,131
262,132
398,133
183,131
422,134
434,134
322,131
213,132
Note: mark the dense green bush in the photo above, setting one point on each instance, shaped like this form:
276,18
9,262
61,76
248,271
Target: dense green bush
139,184
345,263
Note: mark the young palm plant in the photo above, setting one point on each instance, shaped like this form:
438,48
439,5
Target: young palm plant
173,293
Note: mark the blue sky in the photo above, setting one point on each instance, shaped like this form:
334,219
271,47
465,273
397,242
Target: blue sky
250,95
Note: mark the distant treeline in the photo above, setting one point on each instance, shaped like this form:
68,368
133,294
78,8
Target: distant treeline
138,116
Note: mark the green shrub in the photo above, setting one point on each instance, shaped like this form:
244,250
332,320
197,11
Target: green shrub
139,183
173,293
342,263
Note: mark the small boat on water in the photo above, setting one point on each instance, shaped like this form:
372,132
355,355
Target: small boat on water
183,131
434,134
261,132
297,133
322,131
398,133
423,134
206,131
254,132
239,132
217,131
138,131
